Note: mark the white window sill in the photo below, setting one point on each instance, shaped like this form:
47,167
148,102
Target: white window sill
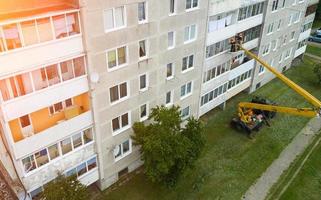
169,104
187,70
261,73
116,67
186,96
119,101
115,29
170,48
172,14
140,59
143,22
121,130
189,41
123,156
191,9
143,90
143,119
169,78
269,33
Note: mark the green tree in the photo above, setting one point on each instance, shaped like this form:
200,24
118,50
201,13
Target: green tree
65,188
317,71
167,148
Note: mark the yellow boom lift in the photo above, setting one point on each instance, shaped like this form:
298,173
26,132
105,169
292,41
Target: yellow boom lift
252,115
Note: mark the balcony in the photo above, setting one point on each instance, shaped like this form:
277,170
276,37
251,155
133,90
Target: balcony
49,119
242,68
300,51
230,31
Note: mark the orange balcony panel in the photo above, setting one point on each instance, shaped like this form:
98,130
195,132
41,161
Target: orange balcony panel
43,119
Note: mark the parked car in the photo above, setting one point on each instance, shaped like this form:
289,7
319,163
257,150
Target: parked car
318,31
315,38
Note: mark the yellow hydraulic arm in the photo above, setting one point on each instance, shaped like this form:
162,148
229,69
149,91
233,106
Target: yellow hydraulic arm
307,112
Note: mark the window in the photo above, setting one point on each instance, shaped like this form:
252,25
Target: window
73,26
29,32
169,71
266,49
83,168
279,24
270,28
122,150
217,48
234,82
117,57
29,163
44,29
87,135
274,45
92,163
186,89
118,92
12,36
142,12
42,157
191,4
171,7
120,123
292,35
190,33
143,110
66,146
284,39
169,98
60,27
275,5
280,57
288,54
142,49
77,140
250,11
53,151
25,121
283,4
143,82
60,106
170,40
2,45
114,18
261,69
188,62
185,113
252,33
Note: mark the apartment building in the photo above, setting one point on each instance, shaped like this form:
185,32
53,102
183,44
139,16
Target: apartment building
226,74
46,116
140,54
286,28
75,75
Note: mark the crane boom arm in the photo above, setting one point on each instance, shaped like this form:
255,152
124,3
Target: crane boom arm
309,97
305,112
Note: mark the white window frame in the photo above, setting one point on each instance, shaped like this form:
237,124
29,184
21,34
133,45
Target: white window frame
174,13
188,59
186,94
141,119
174,40
192,8
64,106
121,129
117,66
146,13
114,21
146,49
261,70
188,115
270,29
190,33
147,82
171,102
122,154
173,71
123,98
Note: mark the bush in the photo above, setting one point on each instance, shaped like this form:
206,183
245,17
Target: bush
166,147
317,71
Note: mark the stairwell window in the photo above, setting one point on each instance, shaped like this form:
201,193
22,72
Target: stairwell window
191,4
190,33
169,71
185,112
270,29
169,98
143,82
171,40
143,110
142,12
118,92
116,58
122,150
114,18
275,5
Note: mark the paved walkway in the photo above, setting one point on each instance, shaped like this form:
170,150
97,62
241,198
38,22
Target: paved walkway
313,56
260,189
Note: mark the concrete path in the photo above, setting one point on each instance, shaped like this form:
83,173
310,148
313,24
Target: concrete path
312,56
260,189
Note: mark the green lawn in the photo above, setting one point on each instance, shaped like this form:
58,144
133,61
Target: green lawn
231,162
307,184
314,50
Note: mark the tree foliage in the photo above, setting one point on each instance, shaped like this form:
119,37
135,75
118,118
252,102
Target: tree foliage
65,188
317,71
167,148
